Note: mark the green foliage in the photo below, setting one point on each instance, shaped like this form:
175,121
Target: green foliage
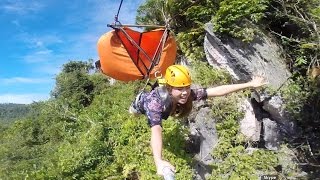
102,141
180,14
233,157
186,20
85,132
189,43
75,86
21,149
130,136
302,103
296,23
302,99
77,66
191,36
295,96
100,82
10,112
207,76
152,12
234,17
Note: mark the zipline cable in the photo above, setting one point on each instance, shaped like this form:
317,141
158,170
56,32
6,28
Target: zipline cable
117,15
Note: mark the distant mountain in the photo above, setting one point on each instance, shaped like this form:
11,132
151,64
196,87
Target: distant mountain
10,112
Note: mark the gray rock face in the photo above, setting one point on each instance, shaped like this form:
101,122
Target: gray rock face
263,120
242,60
204,128
275,107
271,135
250,127
207,131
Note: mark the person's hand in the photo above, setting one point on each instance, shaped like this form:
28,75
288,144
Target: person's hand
258,81
161,164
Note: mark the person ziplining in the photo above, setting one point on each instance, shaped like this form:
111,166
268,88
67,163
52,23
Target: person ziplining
174,98
128,55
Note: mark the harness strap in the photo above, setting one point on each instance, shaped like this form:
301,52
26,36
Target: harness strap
166,99
164,95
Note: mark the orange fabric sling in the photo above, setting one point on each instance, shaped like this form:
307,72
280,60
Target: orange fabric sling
122,60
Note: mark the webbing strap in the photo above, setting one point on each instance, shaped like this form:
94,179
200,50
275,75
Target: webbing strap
166,99
139,48
156,57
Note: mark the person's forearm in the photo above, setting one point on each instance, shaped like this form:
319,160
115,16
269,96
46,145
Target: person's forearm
226,89
156,142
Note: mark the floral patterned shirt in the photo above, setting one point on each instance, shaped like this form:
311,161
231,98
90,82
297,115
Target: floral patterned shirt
152,105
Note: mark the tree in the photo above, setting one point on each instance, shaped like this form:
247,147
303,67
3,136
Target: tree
73,84
10,112
186,20
296,24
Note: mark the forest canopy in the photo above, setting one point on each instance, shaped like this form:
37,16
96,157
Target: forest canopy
84,131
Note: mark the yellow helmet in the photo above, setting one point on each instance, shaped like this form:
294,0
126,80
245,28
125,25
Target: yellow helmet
178,76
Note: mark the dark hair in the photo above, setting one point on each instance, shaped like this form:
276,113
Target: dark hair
183,110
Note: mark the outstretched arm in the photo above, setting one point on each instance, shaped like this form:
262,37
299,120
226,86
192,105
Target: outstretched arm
156,145
226,89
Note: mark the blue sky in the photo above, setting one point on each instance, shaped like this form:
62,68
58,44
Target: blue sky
39,36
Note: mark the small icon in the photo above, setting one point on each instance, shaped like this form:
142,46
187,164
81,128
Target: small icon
269,177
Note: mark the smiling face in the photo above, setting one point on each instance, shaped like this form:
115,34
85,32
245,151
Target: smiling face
180,94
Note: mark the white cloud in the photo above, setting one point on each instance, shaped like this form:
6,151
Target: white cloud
20,80
39,46
81,46
16,23
50,49
22,98
22,7
101,13
39,56
39,41
51,69
44,52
